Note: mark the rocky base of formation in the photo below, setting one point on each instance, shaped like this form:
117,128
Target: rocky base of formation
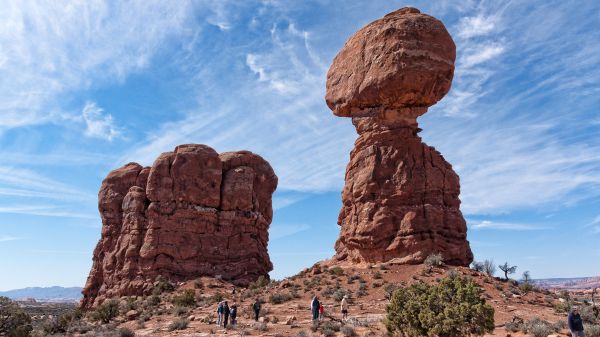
194,212
400,200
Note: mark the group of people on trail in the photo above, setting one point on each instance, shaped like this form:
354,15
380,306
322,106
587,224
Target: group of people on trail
318,310
225,312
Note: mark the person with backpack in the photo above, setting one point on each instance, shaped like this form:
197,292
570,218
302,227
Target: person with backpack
575,323
344,307
219,313
256,308
233,314
225,314
314,307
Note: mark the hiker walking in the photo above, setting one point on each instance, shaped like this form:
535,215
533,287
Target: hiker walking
344,307
321,311
256,308
314,306
575,323
225,314
233,314
219,313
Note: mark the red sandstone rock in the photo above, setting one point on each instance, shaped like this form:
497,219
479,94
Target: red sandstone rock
403,60
193,213
400,199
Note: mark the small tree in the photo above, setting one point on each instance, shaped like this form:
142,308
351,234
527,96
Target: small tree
106,311
14,322
507,269
454,307
526,276
489,267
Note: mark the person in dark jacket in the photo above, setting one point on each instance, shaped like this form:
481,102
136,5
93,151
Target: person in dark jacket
256,308
575,323
233,314
314,306
225,314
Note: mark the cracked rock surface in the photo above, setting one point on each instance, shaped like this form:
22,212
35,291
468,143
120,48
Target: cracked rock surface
193,213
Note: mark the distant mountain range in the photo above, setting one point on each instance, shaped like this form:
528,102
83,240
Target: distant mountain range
575,283
45,294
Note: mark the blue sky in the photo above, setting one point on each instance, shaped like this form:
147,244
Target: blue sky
88,86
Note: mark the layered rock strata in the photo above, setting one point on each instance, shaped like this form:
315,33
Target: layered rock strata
400,198
193,213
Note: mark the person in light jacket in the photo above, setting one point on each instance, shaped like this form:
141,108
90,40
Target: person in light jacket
344,307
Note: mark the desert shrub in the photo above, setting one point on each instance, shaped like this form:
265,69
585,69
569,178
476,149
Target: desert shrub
14,322
538,328
185,299
106,311
592,330
434,260
278,298
477,266
489,267
261,326
348,331
216,298
178,324
559,325
377,275
389,290
329,325
562,307
302,334
512,326
336,271
339,294
179,310
162,286
525,287
198,284
125,332
453,307
261,282
362,290
588,315
353,278
328,332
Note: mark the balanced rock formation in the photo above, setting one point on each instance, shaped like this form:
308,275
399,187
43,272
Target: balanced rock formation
193,213
400,199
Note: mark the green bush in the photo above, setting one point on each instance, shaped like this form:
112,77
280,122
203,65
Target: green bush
178,324
538,328
14,322
261,282
336,271
106,311
162,286
454,307
185,299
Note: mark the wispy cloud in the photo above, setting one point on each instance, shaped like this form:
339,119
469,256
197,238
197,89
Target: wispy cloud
27,183
44,210
98,123
278,231
52,49
4,238
487,224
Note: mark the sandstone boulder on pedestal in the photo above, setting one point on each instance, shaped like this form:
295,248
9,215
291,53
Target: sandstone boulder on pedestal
193,213
400,198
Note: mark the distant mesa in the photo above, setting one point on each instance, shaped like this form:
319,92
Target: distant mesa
400,198
193,213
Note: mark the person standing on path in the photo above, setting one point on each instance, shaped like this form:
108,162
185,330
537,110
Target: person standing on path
321,311
575,323
219,313
344,307
256,308
233,314
314,306
225,314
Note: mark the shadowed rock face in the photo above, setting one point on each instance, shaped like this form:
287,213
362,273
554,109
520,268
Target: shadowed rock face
193,213
400,198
